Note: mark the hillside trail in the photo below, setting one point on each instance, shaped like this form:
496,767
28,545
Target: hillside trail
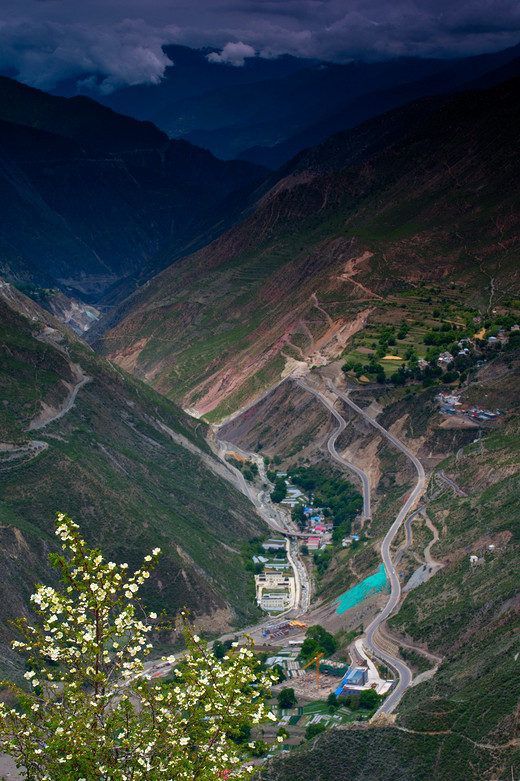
448,480
35,447
350,271
387,633
486,746
430,561
324,312
49,414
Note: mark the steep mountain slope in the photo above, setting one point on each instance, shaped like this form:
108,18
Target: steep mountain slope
82,437
477,72
79,118
89,197
323,251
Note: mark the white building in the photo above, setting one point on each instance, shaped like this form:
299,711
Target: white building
275,601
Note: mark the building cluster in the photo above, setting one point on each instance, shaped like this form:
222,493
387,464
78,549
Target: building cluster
287,659
317,528
283,629
502,335
275,585
346,541
465,346
360,678
450,404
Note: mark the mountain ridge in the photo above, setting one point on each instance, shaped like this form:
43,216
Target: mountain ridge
477,72
331,236
89,209
244,111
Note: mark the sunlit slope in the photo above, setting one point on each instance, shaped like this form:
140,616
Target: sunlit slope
323,250
126,464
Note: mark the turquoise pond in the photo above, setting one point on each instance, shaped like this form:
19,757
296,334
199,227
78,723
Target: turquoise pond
366,588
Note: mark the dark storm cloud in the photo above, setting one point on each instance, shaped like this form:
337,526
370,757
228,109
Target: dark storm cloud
43,52
119,41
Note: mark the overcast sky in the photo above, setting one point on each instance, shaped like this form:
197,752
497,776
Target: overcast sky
43,41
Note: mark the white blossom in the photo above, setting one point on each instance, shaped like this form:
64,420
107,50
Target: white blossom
142,728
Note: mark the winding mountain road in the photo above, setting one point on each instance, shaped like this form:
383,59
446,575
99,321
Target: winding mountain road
67,404
404,672
331,446
370,641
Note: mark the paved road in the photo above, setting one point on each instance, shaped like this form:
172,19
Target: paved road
451,483
275,517
408,527
405,675
67,406
331,445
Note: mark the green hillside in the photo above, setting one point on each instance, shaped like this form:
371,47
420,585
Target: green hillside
126,464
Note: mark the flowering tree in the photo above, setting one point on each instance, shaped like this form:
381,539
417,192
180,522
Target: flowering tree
92,714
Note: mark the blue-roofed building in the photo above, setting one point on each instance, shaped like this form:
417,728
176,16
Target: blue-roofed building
353,682
358,676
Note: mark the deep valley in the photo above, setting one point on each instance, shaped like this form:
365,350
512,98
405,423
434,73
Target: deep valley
301,384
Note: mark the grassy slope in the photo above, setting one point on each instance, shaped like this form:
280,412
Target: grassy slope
30,371
441,205
129,486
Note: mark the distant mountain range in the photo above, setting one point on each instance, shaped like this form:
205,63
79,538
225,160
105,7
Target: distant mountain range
96,203
268,110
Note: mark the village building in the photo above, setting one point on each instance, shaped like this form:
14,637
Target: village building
275,602
444,359
274,544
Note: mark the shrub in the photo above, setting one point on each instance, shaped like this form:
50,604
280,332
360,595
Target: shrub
93,715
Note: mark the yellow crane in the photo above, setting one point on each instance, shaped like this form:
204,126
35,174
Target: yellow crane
317,660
